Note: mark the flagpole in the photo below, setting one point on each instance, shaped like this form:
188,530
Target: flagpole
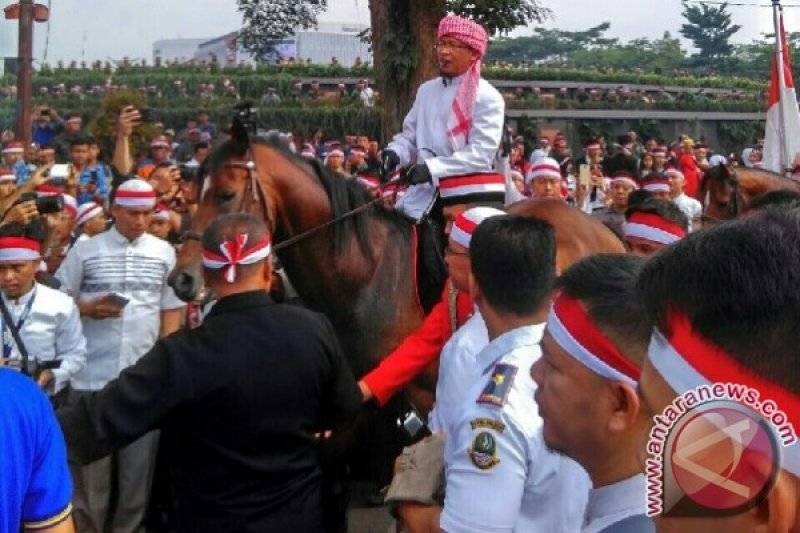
784,144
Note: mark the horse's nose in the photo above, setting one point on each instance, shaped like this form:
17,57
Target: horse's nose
184,284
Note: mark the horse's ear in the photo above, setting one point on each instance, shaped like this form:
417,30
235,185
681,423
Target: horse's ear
244,124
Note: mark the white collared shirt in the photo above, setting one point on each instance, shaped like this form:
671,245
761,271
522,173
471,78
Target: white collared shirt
614,503
424,138
520,486
457,370
52,331
137,270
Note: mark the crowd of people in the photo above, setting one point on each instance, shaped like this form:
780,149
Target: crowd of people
551,358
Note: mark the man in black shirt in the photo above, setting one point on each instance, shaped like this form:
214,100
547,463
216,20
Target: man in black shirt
238,399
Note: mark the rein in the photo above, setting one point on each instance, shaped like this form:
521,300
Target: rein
257,190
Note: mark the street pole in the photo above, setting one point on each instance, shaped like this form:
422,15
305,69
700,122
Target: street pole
25,72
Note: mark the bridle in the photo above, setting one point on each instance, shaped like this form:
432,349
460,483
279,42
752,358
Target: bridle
254,192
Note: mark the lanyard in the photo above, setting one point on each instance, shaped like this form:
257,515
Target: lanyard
8,342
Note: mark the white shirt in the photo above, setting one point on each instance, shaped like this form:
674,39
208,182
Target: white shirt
424,138
51,331
367,97
690,207
613,503
138,270
499,475
458,370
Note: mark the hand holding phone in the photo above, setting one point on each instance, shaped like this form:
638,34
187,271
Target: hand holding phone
117,300
584,176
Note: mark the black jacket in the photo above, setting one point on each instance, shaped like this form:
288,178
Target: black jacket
238,400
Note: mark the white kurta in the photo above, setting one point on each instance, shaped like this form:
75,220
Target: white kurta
424,138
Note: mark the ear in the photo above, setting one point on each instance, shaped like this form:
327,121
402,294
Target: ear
474,291
779,510
267,273
625,406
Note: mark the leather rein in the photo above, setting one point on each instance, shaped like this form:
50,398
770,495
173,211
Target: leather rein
259,198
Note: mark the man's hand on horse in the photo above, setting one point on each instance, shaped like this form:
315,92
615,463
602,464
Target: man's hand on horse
389,160
419,174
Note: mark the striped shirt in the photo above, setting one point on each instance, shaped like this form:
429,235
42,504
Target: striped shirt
137,270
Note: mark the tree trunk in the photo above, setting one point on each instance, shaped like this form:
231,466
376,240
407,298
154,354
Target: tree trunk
403,35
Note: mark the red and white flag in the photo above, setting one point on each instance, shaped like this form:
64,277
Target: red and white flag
782,138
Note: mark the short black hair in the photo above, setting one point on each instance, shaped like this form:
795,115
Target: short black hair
777,199
637,197
666,209
33,230
739,285
82,140
227,227
200,146
606,285
513,262
69,116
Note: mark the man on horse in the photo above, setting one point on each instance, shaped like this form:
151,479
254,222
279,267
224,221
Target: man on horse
455,125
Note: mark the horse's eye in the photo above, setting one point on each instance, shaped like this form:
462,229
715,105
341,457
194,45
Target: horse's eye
225,196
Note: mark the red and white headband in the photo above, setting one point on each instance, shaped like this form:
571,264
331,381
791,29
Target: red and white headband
546,168
570,326
673,172
686,360
19,249
161,212
467,222
135,193
233,253
6,176
626,180
653,228
656,186
472,188
87,212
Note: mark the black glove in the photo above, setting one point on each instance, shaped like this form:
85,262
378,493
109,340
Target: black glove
419,174
389,160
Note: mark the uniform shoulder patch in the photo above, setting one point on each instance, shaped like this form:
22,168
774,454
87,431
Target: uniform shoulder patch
496,390
483,453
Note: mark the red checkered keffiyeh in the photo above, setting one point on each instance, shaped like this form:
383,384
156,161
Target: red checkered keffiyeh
474,36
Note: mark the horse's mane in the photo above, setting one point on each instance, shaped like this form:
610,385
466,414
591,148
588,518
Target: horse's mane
722,173
345,195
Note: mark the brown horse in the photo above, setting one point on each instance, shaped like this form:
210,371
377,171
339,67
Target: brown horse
726,191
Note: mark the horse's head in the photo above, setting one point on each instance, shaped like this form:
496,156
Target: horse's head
720,193
227,182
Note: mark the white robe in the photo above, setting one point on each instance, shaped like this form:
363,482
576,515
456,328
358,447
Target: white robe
424,138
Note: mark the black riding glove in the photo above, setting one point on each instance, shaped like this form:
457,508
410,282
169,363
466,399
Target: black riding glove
389,160
419,174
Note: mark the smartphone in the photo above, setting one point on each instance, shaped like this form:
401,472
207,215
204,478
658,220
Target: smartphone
59,171
147,114
118,300
584,175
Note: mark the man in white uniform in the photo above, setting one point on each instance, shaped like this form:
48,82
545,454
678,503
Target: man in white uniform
119,281
499,474
47,320
456,123
587,379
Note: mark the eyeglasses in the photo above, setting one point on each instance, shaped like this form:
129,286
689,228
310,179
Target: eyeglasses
441,45
449,251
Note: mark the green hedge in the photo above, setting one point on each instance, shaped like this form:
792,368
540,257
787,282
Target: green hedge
259,77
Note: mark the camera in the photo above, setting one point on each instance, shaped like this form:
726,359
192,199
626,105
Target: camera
50,204
414,426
